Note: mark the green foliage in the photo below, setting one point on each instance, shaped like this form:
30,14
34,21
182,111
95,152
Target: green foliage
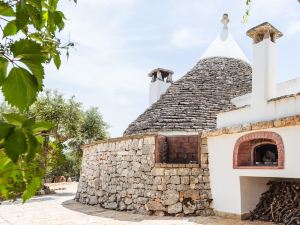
34,25
20,141
29,42
33,148
247,12
93,127
73,126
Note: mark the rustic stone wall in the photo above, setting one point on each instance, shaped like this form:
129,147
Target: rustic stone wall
122,174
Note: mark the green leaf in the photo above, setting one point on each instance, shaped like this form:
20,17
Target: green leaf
53,4
57,60
5,129
6,10
37,70
20,88
28,123
31,188
36,3
32,144
22,16
41,126
59,20
14,118
3,69
50,22
15,145
35,16
28,49
10,29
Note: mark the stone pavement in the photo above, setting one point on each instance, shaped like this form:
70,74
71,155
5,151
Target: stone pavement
60,209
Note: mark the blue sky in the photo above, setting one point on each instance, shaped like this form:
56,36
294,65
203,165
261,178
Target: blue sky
118,42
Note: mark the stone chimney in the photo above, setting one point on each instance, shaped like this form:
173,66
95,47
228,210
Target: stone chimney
161,79
264,66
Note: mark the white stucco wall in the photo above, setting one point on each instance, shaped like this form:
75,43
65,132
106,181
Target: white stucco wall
268,111
285,88
225,181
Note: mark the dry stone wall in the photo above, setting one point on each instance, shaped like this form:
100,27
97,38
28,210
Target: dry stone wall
121,174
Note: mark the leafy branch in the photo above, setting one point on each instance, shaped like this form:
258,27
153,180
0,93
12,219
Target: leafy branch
29,42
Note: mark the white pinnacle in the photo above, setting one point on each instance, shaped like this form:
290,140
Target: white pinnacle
224,45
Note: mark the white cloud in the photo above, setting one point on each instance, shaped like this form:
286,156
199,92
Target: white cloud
293,28
185,38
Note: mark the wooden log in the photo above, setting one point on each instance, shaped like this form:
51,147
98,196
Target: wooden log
280,204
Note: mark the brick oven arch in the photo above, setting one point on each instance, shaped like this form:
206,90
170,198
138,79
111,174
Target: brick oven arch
246,144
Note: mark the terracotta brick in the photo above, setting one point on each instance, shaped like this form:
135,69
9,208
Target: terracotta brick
242,149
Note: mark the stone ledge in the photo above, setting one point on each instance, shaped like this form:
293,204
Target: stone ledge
282,122
284,97
117,139
259,167
172,165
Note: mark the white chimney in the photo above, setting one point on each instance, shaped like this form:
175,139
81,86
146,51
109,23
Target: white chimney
161,80
264,66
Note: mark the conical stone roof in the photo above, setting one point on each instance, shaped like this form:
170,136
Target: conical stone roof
191,103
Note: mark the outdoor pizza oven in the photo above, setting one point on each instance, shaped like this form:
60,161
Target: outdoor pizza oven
259,149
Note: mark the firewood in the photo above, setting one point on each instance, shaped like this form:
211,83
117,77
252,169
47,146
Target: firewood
280,204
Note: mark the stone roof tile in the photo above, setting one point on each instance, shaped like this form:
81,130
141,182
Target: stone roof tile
191,103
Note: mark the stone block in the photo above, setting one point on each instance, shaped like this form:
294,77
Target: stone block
159,213
158,171
93,200
192,186
149,140
135,144
157,180
184,171
121,153
204,149
192,194
185,180
155,206
141,142
203,141
175,180
288,121
205,179
136,166
262,125
171,172
170,197
141,200
122,206
175,208
194,180
196,171
128,201
148,149
110,205
162,187
189,208
204,158
96,183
